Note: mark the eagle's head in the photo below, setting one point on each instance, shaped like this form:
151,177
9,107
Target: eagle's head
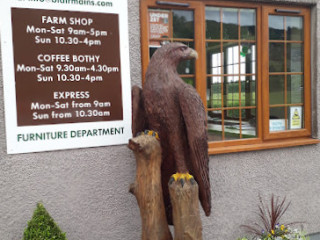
174,53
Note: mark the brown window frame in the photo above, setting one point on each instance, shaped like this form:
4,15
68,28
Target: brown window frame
264,139
305,13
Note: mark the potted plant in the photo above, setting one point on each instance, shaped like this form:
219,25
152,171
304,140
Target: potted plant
271,228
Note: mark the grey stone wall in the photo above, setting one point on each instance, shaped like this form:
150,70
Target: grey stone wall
86,190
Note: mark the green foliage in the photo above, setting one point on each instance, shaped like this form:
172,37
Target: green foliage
42,227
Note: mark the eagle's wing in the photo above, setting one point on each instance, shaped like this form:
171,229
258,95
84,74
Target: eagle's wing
139,120
195,120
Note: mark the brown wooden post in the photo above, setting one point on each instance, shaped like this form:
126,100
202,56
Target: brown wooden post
186,215
147,188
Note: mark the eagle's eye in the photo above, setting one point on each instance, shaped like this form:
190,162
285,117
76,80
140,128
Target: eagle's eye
183,48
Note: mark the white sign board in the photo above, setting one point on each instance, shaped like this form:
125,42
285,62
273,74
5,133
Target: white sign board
296,117
277,125
65,73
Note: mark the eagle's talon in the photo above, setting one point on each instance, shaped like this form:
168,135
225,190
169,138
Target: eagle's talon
149,133
182,181
192,181
171,180
182,178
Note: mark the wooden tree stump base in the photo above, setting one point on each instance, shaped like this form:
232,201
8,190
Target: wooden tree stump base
186,214
147,188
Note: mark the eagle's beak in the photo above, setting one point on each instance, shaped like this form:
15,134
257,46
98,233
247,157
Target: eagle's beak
193,54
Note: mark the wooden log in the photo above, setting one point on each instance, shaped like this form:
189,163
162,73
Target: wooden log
139,118
147,188
186,215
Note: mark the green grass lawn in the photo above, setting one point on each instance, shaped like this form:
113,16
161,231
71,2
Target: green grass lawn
232,100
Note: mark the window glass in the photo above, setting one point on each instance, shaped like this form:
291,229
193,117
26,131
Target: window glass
214,57
183,25
294,57
248,24
231,124
231,58
248,126
295,89
294,28
231,72
277,119
214,125
213,23
276,27
214,90
286,56
276,57
236,100
276,89
173,26
230,23
231,91
248,91
247,58
189,80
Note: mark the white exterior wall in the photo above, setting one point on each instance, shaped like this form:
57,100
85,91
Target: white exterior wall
86,190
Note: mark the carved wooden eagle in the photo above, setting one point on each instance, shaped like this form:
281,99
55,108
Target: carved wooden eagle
173,109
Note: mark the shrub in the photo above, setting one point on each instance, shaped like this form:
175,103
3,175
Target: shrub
42,227
270,227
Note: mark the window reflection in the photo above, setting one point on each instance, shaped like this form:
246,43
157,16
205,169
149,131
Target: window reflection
231,69
230,23
215,64
247,58
235,90
248,24
231,124
295,89
167,26
276,27
214,125
248,91
248,124
231,58
294,57
231,54
183,25
214,92
276,89
213,21
231,91
294,26
276,57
